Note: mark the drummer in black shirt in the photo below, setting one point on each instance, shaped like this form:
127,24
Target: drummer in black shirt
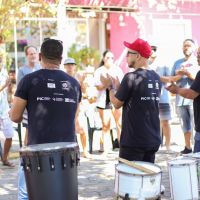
51,98
138,94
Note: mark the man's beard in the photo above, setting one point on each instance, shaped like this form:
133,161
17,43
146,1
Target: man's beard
132,64
187,53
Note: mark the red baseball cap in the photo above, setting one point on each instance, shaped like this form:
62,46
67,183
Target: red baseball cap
141,46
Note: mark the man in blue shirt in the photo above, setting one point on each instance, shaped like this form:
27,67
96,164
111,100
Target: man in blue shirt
187,69
192,93
32,65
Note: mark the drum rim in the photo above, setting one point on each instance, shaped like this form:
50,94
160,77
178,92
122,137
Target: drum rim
28,148
193,161
153,198
46,153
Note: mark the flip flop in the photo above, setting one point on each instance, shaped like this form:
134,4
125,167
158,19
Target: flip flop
8,164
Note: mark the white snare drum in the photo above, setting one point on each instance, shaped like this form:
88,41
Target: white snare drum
195,156
183,179
135,184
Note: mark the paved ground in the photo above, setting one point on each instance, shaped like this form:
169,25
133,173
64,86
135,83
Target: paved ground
96,176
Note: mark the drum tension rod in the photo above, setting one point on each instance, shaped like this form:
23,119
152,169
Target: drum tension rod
38,163
77,159
28,166
72,160
64,164
51,162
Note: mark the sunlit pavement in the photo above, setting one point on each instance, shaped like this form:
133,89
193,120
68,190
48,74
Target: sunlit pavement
96,175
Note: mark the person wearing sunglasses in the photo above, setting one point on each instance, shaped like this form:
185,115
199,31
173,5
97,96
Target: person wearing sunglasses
138,95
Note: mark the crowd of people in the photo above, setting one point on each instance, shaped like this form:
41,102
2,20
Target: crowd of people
69,101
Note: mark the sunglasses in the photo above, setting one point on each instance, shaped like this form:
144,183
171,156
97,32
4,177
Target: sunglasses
129,52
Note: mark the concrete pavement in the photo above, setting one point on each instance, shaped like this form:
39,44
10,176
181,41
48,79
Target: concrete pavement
95,176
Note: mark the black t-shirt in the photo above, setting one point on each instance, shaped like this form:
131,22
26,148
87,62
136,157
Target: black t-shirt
140,91
196,103
52,98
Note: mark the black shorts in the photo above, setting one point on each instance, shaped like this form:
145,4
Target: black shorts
108,106
146,154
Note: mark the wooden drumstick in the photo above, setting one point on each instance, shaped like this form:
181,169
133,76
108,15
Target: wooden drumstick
136,166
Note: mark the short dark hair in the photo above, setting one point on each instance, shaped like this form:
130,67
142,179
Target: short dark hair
52,49
104,55
190,40
27,47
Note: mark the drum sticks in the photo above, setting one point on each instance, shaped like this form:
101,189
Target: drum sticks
136,166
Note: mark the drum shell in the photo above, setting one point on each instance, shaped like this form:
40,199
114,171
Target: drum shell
136,185
183,179
195,156
51,174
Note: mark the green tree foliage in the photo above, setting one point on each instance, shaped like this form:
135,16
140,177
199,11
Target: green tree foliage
12,10
85,56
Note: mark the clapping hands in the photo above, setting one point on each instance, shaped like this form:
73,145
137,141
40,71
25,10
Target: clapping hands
109,81
173,88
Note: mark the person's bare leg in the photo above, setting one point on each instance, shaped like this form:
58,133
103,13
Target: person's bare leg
102,132
166,132
117,114
26,137
187,136
83,142
7,146
106,128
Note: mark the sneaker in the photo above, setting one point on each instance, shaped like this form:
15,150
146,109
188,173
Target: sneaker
186,151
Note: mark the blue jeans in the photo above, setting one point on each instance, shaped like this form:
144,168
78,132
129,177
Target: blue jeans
22,191
186,115
197,142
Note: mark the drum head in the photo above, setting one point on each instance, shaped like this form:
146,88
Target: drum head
183,161
49,147
196,155
121,167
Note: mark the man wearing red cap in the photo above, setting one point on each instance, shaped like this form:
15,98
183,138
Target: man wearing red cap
138,94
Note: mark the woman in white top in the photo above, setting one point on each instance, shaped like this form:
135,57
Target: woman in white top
103,103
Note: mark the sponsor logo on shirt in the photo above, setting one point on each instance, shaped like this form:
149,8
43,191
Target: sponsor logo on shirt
43,98
70,100
150,85
157,86
66,86
56,99
150,98
51,85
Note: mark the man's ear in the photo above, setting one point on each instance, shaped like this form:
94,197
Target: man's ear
39,56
